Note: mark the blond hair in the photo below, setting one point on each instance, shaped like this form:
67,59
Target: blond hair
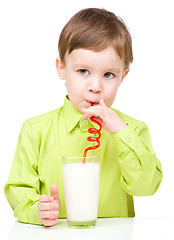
96,29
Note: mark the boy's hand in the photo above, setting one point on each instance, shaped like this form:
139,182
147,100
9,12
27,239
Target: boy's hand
110,121
49,207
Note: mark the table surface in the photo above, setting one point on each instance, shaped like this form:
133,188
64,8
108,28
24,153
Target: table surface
106,228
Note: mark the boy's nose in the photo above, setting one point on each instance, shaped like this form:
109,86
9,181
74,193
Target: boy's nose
95,85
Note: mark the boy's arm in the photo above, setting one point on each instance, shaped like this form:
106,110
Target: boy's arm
141,170
23,187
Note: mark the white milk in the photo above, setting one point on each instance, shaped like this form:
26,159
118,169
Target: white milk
81,189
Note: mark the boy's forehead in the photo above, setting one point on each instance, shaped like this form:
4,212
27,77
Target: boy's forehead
107,56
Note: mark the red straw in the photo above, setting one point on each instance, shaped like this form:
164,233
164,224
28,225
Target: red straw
93,139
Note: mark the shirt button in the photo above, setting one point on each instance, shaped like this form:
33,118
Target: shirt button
85,122
129,138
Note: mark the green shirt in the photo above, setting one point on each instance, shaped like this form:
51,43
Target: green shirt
128,165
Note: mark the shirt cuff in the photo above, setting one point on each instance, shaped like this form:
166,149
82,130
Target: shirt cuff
127,137
34,215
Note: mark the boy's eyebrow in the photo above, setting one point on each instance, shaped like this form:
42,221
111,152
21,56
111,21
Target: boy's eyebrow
114,69
81,65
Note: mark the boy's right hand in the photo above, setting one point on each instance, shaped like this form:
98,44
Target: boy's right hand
49,207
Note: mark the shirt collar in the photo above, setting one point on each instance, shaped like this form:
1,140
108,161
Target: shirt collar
70,114
72,118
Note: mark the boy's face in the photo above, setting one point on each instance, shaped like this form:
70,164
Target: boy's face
91,76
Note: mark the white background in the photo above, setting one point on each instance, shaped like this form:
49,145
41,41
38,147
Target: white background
29,84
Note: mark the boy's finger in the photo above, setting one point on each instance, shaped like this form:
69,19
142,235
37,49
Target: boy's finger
85,116
45,206
54,192
49,214
95,111
45,198
49,222
102,103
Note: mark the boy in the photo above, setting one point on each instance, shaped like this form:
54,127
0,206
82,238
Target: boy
95,51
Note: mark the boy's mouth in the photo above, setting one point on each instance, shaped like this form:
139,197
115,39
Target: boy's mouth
92,103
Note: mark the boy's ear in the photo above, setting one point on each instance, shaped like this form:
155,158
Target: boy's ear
124,74
60,66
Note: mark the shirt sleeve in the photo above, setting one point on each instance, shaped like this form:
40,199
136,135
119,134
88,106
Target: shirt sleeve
141,172
23,187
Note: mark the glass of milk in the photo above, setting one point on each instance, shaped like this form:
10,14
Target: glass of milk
81,190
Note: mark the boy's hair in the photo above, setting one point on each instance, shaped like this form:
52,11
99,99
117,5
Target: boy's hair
96,29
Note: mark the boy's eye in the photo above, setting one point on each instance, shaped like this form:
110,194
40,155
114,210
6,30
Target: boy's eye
83,71
108,75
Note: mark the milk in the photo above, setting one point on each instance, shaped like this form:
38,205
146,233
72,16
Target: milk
81,189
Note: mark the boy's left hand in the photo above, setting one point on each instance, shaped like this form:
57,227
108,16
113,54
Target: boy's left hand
109,119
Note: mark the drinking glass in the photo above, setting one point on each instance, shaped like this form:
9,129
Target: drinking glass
81,190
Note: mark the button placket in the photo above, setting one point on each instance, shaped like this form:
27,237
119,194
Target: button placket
85,122
85,125
129,138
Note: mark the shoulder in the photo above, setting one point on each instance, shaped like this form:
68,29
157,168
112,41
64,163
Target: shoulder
130,120
42,120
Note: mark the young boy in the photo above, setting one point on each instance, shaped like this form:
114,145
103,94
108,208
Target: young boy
95,51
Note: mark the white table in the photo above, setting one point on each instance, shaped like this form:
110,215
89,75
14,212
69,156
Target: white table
106,229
